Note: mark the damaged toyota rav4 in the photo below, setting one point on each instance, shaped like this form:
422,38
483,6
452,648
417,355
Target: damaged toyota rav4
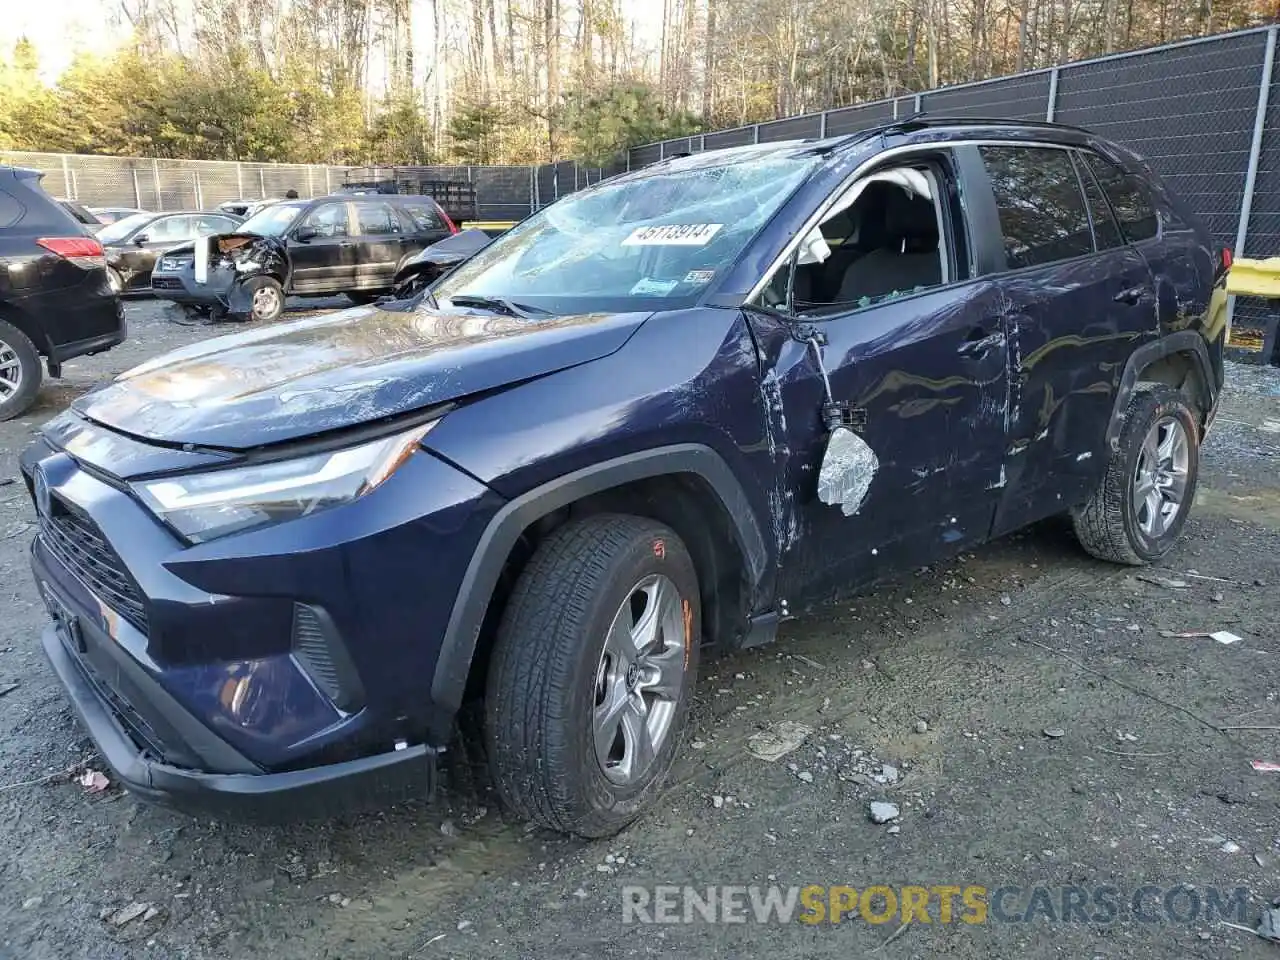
665,413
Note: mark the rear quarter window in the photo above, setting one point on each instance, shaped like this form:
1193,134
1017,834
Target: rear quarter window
1042,210
11,209
1129,197
423,215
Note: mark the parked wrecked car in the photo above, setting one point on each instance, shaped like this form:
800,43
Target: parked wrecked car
134,244
352,244
425,268
672,409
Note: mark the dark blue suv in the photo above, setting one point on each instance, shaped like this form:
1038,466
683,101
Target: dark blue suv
673,409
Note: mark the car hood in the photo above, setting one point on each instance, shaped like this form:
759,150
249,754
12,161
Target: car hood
341,370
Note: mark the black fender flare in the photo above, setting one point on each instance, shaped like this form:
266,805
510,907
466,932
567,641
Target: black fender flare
1184,342
457,648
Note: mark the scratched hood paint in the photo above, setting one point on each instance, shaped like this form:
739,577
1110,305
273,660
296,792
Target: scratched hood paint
324,373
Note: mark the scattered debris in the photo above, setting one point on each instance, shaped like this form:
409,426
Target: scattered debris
128,914
922,726
450,829
463,924
1054,733
806,660
778,740
895,829
1230,846
882,812
93,781
1222,636
7,481
1218,597
1269,925
1126,737
580,894
440,936
1201,576
1257,858
805,776
698,745
32,902
1265,766
1164,582
888,774
1006,601
8,688
717,801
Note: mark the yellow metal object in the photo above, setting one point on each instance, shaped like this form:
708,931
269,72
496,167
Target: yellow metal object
488,225
1254,278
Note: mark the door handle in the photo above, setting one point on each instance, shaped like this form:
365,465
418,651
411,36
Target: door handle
979,342
1130,296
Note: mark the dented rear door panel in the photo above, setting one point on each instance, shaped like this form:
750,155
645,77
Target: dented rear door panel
1069,338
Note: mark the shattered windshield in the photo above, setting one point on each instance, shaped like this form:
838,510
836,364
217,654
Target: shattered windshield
273,221
646,242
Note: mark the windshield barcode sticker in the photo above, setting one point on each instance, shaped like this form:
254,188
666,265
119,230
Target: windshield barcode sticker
673,235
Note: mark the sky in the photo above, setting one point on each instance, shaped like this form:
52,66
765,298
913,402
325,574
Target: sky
61,29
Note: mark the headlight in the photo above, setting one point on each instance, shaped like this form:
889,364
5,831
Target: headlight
204,506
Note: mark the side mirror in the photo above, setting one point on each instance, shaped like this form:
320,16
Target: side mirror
305,234
141,238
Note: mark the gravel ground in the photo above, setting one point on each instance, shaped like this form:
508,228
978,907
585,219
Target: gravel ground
1040,727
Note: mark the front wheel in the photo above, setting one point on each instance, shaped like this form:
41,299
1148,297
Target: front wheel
1138,511
592,674
266,298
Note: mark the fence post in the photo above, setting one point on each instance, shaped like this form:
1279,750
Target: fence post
1053,95
895,108
328,187
137,190
155,172
662,150
1251,175
195,174
262,184
629,158
533,190
702,143
755,133
239,181
919,102
822,125
66,179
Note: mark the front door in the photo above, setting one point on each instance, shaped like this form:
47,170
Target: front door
1077,302
915,358
322,251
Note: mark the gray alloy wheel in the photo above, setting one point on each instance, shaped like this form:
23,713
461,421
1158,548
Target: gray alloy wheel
1160,477
639,680
20,371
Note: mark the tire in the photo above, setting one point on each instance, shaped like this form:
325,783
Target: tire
20,372
1118,523
266,298
115,281
551,666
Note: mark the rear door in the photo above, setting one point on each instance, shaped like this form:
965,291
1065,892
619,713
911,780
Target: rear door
1077,301
379,243
322,251
424,223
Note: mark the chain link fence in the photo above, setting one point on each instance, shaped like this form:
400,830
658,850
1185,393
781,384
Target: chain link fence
1205,113
502,193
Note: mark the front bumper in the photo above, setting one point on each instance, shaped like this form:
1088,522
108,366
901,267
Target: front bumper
180,286
369,781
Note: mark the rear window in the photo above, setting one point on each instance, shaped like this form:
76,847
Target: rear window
1129,198
1042,211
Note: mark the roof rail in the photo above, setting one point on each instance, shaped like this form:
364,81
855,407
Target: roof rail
921,121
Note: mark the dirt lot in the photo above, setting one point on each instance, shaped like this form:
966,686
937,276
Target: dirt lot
1137,786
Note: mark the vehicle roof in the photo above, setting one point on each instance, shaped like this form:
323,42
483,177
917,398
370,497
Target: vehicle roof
1053,132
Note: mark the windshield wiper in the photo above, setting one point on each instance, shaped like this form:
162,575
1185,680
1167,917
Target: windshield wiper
498,305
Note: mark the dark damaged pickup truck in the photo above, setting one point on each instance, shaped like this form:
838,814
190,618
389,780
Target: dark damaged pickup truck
670,410
353,245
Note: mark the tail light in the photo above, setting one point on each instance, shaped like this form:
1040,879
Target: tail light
448,221
1226,258
84,252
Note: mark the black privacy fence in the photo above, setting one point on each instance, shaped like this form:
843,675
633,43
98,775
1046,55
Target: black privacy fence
1205,113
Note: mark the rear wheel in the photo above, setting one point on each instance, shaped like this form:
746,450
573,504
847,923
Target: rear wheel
1138,511
592,674
20,371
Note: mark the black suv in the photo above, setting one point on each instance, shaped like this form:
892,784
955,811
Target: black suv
341,244
676,407
55,300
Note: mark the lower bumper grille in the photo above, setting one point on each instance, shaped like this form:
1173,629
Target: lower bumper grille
166,283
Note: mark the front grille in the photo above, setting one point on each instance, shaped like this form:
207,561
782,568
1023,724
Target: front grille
166,283
76,542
